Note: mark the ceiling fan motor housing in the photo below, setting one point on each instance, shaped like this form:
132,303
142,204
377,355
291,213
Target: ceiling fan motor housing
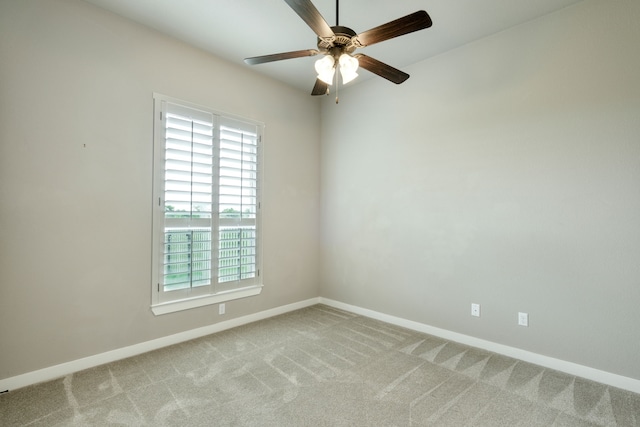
339,44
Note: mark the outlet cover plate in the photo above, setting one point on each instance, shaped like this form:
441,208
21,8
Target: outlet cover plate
523,319
475,310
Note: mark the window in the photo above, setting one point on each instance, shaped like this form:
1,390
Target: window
206,232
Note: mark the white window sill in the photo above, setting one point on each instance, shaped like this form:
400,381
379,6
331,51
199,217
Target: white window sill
186,304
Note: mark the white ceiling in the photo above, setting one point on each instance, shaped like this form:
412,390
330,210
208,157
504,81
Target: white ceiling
236,29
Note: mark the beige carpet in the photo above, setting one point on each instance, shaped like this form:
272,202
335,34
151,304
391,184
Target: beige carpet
320,367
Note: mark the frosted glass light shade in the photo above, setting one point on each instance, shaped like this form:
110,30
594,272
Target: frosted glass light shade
325,69
348,67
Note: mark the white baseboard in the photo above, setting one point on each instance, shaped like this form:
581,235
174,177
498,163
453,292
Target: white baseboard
67,368
597,375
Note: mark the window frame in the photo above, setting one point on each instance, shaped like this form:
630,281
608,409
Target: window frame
163,302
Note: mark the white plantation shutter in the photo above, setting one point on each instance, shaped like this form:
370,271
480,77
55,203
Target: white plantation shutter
238,200
188,198
206,219
188,161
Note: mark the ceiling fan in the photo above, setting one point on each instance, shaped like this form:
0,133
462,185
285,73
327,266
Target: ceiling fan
337,45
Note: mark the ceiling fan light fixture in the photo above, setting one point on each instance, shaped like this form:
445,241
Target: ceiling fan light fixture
325,67
348,67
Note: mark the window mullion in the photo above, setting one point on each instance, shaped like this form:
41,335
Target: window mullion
191,183
215,206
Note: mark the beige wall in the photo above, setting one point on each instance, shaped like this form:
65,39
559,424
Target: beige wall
507,173
76,86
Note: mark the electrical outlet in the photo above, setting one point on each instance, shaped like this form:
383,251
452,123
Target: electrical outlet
475,310
221,309
523,319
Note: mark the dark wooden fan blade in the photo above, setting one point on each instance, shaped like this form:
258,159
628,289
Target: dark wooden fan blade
280,56
309,14
320,88
405,25
380,68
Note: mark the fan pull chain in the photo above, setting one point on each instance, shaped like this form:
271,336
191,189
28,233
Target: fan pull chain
337,87
337,24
